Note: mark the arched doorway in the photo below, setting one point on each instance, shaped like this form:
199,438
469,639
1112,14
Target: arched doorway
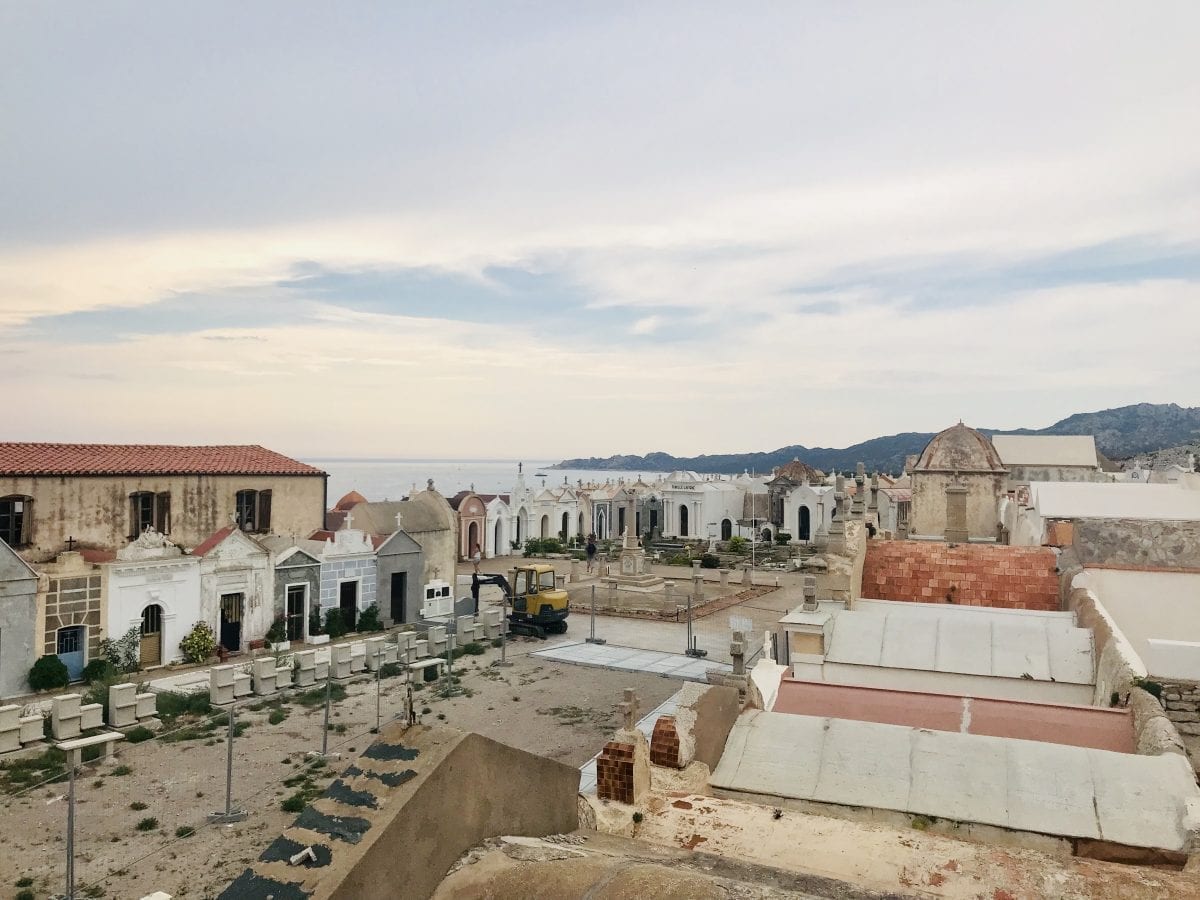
804,532
71,649
472,538
545,527
498,547
601,524
726,529
566,523
683,521
580,531
151,648
521,526
766,535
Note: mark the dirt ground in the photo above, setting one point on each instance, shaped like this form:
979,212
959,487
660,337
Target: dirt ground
559,711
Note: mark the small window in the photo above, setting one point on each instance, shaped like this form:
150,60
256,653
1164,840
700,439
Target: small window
162,514
141,512
254,510
16,520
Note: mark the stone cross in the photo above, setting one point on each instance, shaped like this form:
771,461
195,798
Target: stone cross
629,709
349,520
810,593
70,544
399,517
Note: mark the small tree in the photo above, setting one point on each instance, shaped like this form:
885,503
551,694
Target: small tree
782,537
335,625
124,653
737,544
709,561
48,673
369,619
199,644
314,622
278,631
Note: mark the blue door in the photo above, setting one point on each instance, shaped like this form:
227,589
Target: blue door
71,644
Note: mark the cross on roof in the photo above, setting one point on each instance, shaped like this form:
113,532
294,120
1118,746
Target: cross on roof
349,520
629,709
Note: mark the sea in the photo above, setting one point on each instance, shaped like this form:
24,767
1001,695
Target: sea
391,479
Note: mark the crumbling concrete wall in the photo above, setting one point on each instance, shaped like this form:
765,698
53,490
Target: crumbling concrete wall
1138,542
399,816
1118,670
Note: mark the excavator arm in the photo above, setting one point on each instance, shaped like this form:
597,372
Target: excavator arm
478,581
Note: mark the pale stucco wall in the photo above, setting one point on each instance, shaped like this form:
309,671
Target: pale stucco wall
234,568
18,632
1146,605
173,584
95,511
928,516
953,683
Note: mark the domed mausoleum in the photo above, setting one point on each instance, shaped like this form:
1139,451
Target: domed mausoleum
957,484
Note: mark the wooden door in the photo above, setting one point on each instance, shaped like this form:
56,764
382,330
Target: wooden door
151,648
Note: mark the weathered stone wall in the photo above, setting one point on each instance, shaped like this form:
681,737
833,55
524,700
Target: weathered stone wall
928,516
967,574
18,619
1182,702
1138,542
95,511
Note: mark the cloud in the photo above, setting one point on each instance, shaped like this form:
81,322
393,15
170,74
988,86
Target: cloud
851,221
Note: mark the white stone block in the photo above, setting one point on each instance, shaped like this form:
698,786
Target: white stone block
339,661
91,715
358,658
322,670
147,706
435,640
419,650
263,672
10,728
65,717
464,630
373,654
33,729
220,685
122,705
306,667
242,686
389,653
283,677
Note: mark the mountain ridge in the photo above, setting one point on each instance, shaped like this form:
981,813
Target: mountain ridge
1120,433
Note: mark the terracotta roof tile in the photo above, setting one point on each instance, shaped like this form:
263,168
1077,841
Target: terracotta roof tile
212,540
146,459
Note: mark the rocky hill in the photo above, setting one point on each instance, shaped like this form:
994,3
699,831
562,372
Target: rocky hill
1120,433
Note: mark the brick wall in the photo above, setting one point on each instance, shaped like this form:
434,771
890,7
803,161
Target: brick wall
614,772
664,743
971,574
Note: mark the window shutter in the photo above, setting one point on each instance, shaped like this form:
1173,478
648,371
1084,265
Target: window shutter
26,535
264,510
133,517
164,512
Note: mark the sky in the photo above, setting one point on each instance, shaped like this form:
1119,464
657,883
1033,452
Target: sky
552,230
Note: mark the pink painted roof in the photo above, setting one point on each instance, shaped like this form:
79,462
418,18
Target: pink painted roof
146,459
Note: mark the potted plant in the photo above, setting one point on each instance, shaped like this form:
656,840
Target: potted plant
277,635
316,630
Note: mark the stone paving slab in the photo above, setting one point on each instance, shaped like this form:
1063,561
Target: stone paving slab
1141,801
628,659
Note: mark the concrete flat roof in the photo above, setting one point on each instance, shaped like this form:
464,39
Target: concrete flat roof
965,640
1139,801
1118,500
1046,449
1079,726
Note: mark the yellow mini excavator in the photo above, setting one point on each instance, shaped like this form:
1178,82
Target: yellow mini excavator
534,603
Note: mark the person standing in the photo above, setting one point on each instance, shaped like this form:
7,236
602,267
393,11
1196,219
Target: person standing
476,555
591,552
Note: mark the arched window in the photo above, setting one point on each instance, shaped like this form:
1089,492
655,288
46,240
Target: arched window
683,520
16,520
726,529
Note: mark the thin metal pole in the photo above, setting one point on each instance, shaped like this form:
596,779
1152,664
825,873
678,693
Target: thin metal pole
71,829
328,692
229,765
689,624
378,682
593,639
450,635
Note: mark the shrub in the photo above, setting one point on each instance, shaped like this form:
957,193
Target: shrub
121,770
737,544
171,705
294,803
543,546
26,895
276,716
474,648
199,644
1150,687
708,561
147,824
783,537
679,559
48,673
369,619
137,806
335,625
25,881
138,734
278,631
124,653
184,831
314,622
100,670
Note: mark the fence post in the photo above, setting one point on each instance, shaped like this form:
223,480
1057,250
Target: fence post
692,649
70,895
503,660
230,814
378,683
593,639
